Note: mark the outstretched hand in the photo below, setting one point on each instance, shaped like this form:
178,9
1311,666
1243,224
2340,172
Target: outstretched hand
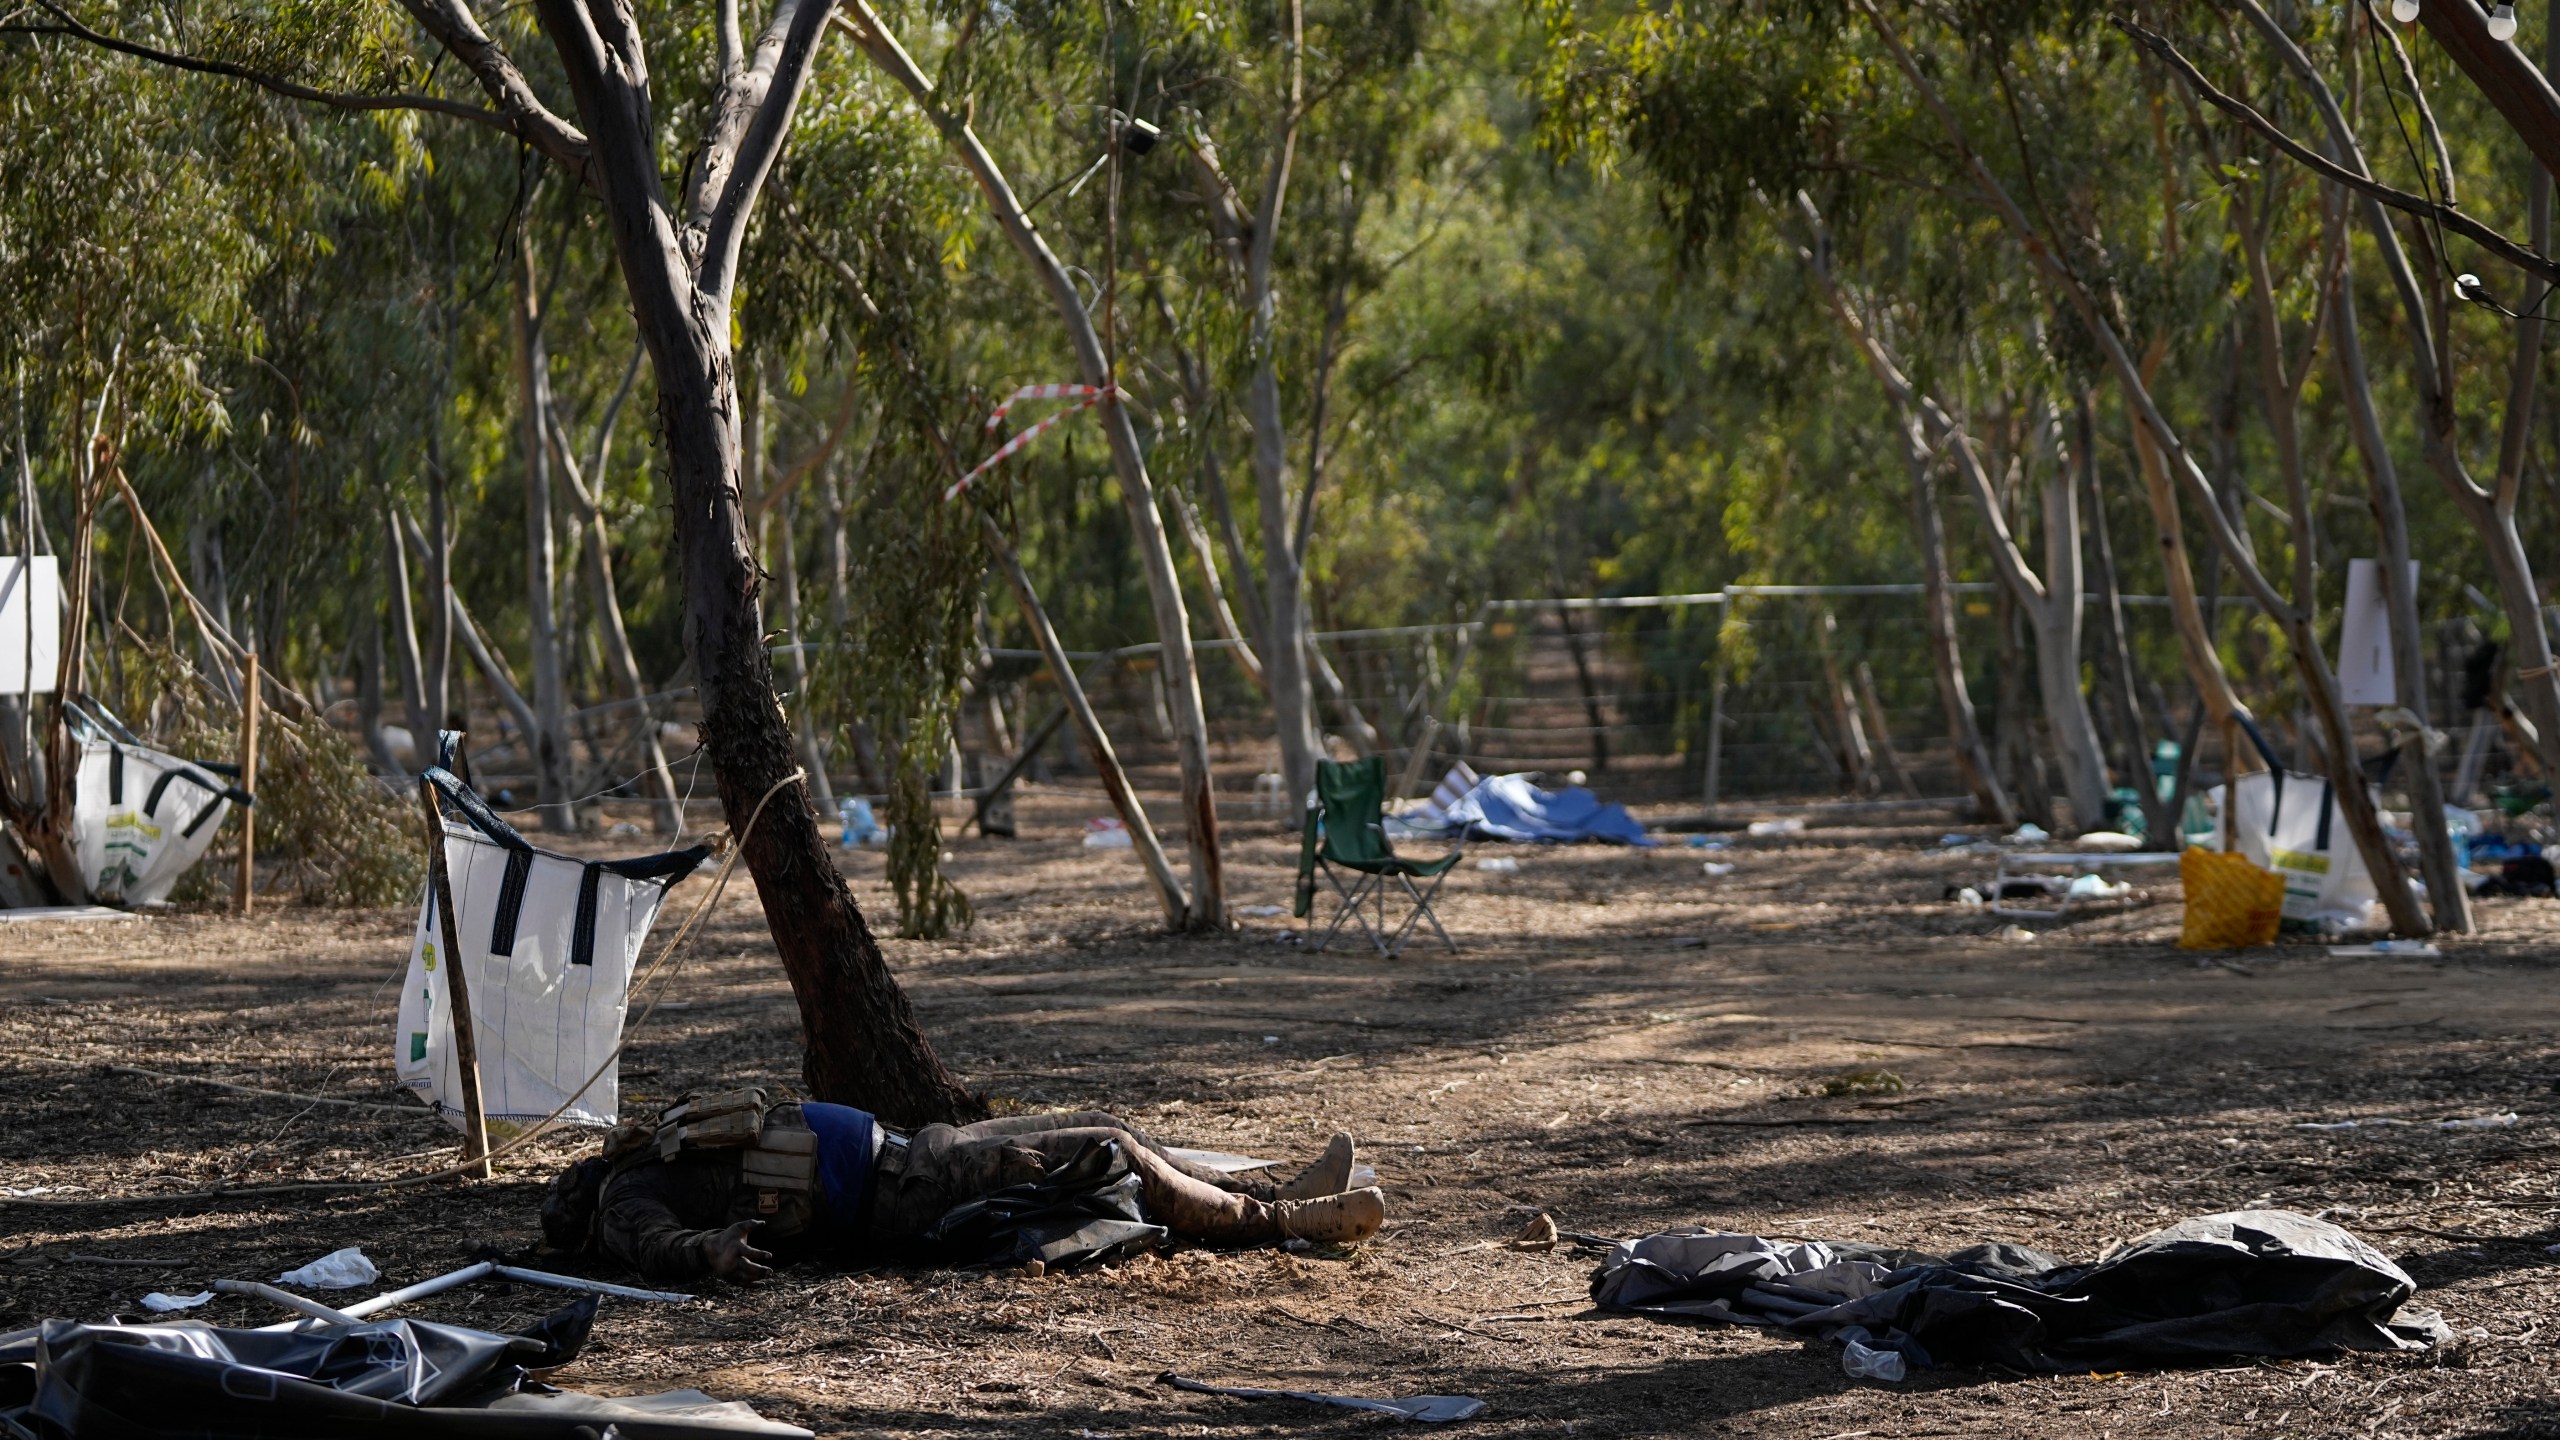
733,1256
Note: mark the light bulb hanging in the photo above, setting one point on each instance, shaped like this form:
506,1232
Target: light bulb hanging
2405,11
2502,23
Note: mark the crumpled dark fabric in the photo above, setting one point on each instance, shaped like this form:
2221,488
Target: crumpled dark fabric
1086,1210
2250,1283
401,1379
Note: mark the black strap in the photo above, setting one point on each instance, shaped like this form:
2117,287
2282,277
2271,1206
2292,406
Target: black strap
115,773
502,931
2327,796
460,798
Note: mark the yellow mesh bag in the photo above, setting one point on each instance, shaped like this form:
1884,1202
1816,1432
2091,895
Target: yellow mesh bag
2231,902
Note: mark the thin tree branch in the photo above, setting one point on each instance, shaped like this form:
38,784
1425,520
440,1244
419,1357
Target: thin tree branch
71,28
2521,256
458,30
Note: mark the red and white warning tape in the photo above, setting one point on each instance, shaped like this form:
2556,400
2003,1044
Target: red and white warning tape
1084,396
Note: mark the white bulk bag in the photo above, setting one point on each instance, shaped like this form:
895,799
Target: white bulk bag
549,943
2289,823
141,819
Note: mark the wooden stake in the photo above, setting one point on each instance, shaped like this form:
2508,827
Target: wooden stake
457,988
245,893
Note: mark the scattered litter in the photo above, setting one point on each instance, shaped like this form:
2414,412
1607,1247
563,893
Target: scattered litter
1862,1362
2095,887
1949,842
1270,1039
623,830
1431,1408
1538,1234
29,1192
2026,834
2109,840
1969,898
861,826
2551,1249
1106,833
159,1304
2502,1121
1718,869
2411,949
1792,825
2350,1124
338,1270
1499,865
1709,842
2014,934
1261,912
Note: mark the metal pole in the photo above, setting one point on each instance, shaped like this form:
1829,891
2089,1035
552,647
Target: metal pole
457,986
285,1298
244,892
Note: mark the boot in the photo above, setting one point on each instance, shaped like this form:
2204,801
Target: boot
1329,1175
1344,1219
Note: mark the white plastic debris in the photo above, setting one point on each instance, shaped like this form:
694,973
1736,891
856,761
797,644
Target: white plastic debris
1862,1361
2505,1119
1499,865
1108,837
2334,1125
1260,912
1717,869
2109,840
2412,949
2015,934
1969,898
338,1270
2097,887
2026,834
1792,825
159,1304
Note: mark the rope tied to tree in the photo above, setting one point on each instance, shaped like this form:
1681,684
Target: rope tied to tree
1084,396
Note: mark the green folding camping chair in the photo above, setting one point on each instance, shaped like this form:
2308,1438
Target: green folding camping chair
1346,833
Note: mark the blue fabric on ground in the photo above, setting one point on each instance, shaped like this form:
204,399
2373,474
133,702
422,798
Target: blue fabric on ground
1508,807
846,1140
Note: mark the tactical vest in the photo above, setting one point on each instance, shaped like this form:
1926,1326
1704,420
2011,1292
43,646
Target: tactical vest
777,1153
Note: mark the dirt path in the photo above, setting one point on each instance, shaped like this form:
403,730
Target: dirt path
1626,1044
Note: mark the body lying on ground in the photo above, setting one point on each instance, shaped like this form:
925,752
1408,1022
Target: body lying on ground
719,1178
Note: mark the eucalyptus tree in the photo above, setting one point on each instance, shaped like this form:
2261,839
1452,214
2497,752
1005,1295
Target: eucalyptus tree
678,225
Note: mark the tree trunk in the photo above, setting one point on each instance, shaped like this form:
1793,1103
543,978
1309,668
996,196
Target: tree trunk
1288,657
864,1045
2447,898
2159,821
424,719
549,742
2057,622
1964,732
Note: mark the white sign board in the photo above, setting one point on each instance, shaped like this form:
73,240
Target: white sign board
2366,675
30,623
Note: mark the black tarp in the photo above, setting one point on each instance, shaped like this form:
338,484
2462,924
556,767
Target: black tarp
2250,1283
65,1380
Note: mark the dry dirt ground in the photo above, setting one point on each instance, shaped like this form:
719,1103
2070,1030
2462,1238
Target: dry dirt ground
1625,1043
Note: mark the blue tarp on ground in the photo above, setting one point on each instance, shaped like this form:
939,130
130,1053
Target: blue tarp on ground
1508,807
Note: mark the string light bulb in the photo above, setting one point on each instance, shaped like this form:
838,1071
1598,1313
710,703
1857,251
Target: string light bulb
2502,23
2405,11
